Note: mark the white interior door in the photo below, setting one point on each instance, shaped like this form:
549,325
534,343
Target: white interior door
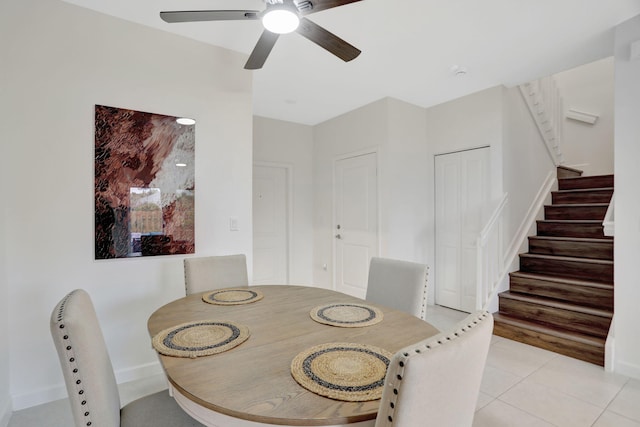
462,196
356,222
270,225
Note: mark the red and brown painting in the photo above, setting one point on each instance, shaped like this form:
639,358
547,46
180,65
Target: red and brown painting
144,184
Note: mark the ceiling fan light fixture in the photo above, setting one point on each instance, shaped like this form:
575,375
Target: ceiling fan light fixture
280,20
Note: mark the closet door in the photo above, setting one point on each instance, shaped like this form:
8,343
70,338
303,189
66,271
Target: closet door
462,195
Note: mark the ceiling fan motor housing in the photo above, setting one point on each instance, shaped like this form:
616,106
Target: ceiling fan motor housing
303,5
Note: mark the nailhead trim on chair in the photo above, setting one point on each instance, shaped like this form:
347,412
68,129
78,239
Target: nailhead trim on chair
423,309
71,360
399,373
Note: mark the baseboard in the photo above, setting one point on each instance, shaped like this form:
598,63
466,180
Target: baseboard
610,347
631,370
138,372
46,395
5,415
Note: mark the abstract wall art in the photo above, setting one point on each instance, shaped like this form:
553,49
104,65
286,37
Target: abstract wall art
144,184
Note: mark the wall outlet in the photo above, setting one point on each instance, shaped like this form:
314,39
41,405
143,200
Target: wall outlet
233,224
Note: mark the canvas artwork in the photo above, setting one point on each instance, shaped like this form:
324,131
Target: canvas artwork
144,184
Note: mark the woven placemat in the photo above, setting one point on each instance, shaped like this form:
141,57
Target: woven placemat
342,371
200,338
232,296
346,315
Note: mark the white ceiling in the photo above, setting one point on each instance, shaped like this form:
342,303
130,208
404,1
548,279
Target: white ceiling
408,47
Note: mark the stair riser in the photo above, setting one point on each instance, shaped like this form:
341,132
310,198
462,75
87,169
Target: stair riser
575,212
596,196
571,248
576,294
597,272
568,320
586,182
561,229
569,348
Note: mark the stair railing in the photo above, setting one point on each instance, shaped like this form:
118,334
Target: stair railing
490,255
543,98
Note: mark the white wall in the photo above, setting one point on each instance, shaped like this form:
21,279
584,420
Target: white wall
5,391
589,88
627,202
364,129
60,61
468,122
526,161
406,138
472,121
406,171
291,144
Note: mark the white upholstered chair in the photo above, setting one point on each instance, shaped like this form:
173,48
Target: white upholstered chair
401,285
215,272
436,382
89,377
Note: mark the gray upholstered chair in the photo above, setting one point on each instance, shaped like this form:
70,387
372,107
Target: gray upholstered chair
436,382
89,377
401,285
215,272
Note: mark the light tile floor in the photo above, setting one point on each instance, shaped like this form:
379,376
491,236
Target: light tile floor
522,386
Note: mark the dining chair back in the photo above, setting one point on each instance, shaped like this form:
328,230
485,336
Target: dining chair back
401,285
89,378
436,381
215,272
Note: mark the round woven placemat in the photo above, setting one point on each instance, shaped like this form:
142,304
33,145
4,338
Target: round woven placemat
342,371
232,296
200,338
346,315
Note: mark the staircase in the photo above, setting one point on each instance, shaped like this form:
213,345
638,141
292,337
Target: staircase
561,299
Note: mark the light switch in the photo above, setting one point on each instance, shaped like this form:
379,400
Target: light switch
233,223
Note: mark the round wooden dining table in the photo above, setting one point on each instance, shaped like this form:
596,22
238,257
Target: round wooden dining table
251,384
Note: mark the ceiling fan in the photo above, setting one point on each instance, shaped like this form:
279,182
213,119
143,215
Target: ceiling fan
279,17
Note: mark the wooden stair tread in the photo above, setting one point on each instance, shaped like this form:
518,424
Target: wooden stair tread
606,175
544,329
571,221
566,258
578,205
556,304
574,239
583,190
558,279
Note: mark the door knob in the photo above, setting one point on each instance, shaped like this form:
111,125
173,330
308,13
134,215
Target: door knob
338,236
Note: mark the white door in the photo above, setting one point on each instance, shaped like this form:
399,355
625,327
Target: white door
356,222
270,225
462,197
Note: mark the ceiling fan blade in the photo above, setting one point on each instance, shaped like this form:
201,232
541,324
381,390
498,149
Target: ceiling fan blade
318,5
209,15
327,40
261,51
